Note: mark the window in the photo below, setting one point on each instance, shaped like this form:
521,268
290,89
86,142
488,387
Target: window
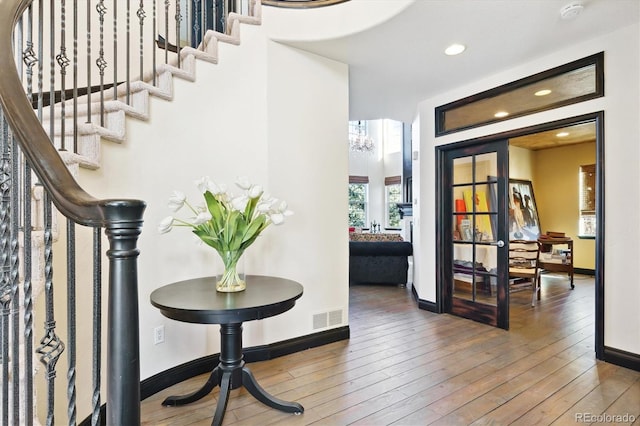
393,189
358,198
587,226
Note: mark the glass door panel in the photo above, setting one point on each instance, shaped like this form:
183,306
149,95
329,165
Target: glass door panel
477,189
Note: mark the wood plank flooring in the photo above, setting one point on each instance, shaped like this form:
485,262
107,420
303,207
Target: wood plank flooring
404,366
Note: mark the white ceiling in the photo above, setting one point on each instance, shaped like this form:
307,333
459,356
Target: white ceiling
399,63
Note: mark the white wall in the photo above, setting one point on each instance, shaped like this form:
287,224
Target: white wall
622,175
254,114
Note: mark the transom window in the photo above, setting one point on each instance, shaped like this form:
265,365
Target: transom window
567,84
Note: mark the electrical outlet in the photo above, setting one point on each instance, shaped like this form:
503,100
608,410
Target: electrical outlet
158,335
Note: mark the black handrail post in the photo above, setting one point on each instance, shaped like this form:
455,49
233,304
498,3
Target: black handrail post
122,227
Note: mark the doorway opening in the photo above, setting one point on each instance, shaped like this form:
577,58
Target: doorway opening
550,163
589,140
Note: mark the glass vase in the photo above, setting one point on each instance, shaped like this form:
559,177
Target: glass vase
232,279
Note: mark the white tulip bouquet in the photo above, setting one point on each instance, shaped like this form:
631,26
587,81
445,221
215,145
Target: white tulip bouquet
228,223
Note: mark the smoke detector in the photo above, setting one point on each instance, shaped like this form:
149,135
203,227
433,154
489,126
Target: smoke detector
571,10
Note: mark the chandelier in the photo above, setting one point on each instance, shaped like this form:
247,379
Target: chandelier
359,141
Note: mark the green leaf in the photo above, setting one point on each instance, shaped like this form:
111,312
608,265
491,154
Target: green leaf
208,239
253,230
241,229
230,228
251,206
216,209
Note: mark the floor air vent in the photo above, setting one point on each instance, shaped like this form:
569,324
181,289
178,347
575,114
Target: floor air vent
327,319
335,317
319,320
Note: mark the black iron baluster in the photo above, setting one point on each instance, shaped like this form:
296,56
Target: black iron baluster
230,6
195,19
115,50
28,299
153,43
178,18
127,63
205,17
51,347
75,76
30,60
89,112
97,325
71,322
40,60
101,62
52,71
218,16
5,288
141,15
13,215
63,62
28,55
188,17
166,31
14,276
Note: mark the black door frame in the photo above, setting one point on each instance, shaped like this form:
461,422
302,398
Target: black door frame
597,117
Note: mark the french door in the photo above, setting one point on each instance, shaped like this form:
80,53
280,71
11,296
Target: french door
473,232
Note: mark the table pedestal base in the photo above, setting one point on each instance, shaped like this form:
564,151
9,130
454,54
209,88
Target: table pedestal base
231,373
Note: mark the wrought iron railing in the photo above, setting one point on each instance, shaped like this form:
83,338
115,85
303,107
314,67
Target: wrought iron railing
55,50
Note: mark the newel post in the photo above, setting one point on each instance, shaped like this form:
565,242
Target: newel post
122,227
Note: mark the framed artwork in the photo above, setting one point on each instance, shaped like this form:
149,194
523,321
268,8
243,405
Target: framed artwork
524,223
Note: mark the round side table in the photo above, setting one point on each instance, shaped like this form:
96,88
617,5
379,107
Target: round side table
197,301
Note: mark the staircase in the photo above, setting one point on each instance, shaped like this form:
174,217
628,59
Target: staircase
42,151
106,119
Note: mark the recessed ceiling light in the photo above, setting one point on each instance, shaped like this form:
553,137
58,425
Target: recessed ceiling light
543,92
500,114
562,134
455,49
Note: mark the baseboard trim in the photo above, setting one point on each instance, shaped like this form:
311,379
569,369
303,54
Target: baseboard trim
180,373
584,271
622,358
425,305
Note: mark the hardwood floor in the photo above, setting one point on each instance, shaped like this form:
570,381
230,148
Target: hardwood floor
404,366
